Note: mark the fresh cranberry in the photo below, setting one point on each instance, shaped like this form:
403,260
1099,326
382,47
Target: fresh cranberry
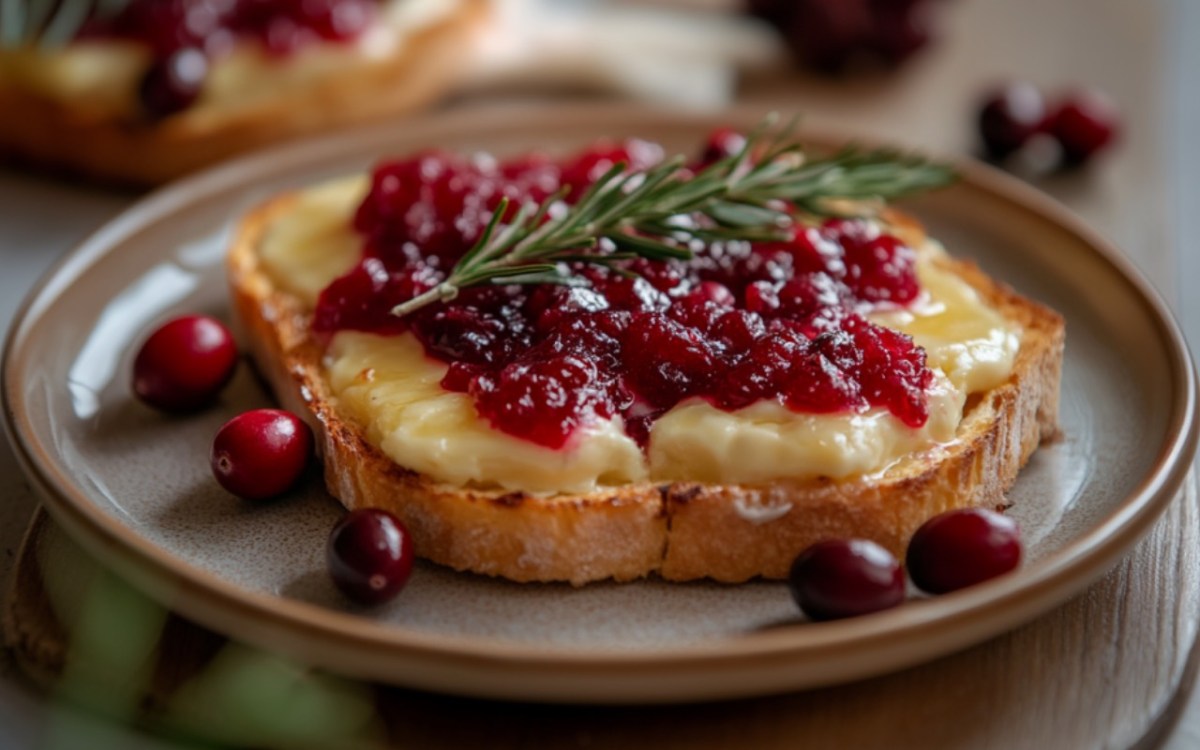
174,83
261,453
370,555
1009,117
961,548
845,578
184,364
1085,124
827,34
900,28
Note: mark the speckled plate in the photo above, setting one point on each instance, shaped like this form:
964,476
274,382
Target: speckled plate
134,488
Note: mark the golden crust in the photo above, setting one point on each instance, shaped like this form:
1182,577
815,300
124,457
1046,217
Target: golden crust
42,132
681,531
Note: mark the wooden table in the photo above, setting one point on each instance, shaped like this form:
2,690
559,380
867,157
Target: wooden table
1106,669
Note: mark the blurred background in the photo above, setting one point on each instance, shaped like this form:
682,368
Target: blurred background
1095,102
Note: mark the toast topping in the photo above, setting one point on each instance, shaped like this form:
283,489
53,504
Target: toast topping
737,324
249,46
400,380
280,26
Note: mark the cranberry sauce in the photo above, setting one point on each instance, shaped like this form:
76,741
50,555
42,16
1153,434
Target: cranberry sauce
168,26
736,324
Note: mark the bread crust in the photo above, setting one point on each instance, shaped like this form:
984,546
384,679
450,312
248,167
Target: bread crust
47,133
680,530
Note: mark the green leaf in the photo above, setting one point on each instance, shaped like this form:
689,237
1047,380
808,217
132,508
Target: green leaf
647,247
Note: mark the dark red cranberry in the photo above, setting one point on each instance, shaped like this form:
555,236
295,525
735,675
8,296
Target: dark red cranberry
280,26
665,361
260,454
776,11
961,548
184,364
890,370
715,292
1085,124
845,578
370,555
737,330
827,34
759,372
337,19
542,400
1009,117
901,28
174,83
762,297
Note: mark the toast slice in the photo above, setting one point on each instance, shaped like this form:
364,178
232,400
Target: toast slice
101,142
678,530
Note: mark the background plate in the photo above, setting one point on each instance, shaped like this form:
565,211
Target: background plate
134,487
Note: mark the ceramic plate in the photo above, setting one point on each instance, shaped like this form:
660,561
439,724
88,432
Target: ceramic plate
133,486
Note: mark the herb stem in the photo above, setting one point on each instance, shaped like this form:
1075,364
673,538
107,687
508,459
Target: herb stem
639,213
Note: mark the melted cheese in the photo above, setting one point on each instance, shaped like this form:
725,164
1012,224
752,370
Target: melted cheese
389,385
101,76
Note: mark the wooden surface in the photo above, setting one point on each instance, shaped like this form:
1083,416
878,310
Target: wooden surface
1109,669
1102,671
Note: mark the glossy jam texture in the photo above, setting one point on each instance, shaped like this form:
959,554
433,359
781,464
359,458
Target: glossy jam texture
212,26
736,324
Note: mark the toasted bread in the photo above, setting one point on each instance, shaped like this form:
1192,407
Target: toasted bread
124,148
679,530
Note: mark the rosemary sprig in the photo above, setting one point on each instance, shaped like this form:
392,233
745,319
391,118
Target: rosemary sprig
49,22
657,213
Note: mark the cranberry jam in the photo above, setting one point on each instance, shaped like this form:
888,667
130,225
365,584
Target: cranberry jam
736,324
212,26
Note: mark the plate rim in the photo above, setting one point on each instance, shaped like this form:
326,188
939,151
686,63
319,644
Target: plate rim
992,607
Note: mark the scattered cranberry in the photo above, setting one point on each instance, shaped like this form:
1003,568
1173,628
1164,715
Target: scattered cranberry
261,453
845,578
174,83
900,28
963,547
184,364
370,555
1015,126
827,35
1084,124
178,34
1010,117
